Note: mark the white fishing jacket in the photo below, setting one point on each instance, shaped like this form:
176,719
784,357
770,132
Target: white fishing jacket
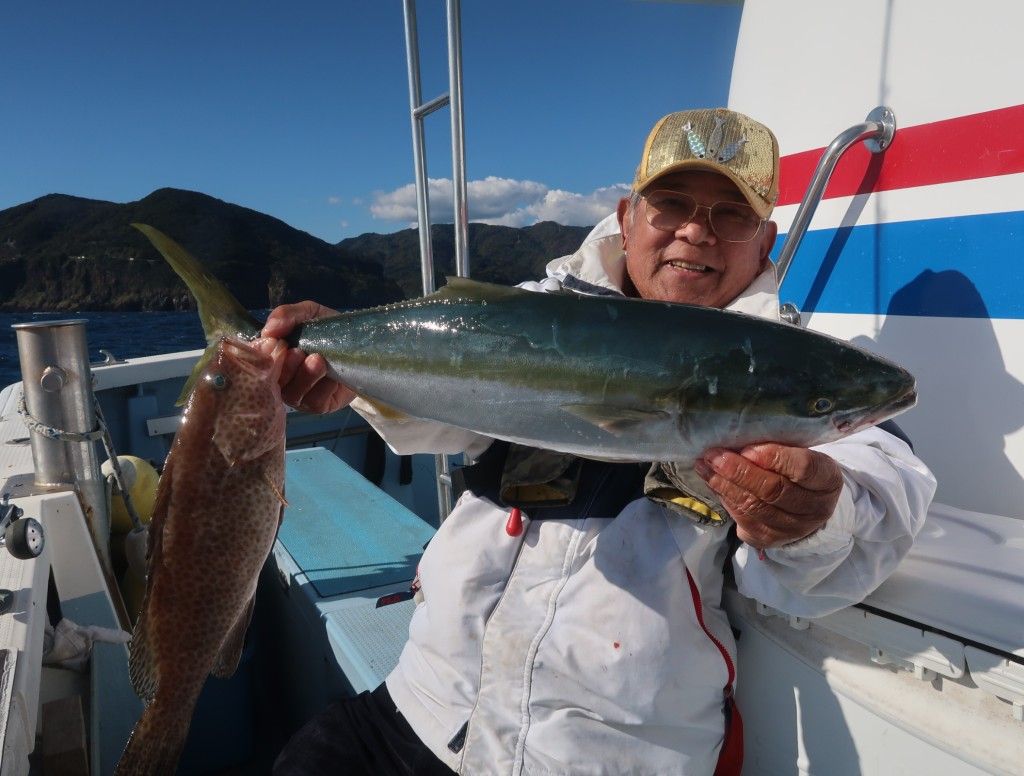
598,645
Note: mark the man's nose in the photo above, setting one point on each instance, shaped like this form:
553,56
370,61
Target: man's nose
698,229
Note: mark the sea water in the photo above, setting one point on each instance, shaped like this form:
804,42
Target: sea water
125,335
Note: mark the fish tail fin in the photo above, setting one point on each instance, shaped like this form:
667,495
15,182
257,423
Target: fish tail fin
220,313
155,745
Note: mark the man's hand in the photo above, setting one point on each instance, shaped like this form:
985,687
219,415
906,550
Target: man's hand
305,384
776,494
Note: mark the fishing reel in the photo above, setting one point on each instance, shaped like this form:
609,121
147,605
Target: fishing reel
22,536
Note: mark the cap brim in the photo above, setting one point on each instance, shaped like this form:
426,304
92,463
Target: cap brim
755,200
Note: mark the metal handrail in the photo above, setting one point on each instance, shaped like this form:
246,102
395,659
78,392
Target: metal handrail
459,209
876,131
418,112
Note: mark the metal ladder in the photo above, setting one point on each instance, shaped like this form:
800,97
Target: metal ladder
876,131
419,110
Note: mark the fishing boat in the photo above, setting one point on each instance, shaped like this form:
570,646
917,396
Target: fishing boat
900,230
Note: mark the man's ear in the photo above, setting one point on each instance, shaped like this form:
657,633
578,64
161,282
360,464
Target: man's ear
621,213
771,231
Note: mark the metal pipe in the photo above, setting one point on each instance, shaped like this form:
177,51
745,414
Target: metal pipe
461,215
417,114
877,132
57,385
420,162
427,108
444,491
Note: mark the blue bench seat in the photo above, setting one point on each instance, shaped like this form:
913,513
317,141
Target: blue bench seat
343,544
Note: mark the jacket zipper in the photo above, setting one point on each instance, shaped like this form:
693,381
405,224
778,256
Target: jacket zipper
699,611
458,742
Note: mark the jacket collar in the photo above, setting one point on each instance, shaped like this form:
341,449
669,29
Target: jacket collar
600,265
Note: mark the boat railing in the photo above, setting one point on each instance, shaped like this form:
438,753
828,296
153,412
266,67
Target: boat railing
876,132
419,110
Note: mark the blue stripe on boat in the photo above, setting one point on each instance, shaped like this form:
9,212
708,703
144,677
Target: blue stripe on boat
962,267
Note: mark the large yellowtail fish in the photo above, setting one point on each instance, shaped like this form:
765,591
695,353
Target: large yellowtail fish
218,508
599,377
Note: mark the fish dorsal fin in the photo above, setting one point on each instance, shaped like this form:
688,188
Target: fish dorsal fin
475,291
220,313
141,659
615,420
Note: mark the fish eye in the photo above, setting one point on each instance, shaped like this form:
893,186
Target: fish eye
822,405
218,380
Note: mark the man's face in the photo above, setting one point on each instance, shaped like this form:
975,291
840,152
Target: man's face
691,264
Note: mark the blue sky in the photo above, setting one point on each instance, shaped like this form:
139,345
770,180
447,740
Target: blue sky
300,110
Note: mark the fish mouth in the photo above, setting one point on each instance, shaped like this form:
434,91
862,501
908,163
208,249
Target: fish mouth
857,420
245,355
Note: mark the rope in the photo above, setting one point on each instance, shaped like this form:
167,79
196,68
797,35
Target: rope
108,445
38,427
101,432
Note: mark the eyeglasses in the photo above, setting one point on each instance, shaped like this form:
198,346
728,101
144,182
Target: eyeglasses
730,221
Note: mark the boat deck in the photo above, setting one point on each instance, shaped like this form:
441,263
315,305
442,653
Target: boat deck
344,544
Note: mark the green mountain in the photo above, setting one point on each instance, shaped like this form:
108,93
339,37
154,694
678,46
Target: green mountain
497,254
60,252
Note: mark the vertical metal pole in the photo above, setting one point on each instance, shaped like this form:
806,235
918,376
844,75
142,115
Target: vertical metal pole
461,215
412,50
416,115
57,382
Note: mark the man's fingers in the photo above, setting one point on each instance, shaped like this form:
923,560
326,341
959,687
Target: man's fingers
737,478
768,507
327,396
304,373
762,524
807,468
292,361
284,318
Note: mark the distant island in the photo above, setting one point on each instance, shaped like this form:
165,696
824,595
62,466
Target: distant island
65,253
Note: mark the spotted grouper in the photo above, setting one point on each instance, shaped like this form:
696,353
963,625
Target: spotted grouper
218,508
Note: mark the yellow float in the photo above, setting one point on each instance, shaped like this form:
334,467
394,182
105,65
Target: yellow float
141,479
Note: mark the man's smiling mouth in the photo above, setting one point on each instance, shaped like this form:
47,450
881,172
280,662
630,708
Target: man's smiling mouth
689,266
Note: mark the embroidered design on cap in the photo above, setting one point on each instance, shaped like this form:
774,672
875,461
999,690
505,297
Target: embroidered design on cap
711,148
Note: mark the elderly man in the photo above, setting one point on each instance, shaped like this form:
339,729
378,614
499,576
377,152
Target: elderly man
589,637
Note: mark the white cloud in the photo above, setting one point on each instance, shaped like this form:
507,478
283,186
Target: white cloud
334,200
504,201
397,205
566,207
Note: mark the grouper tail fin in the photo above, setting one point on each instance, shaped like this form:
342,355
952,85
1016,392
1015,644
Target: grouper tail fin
219,312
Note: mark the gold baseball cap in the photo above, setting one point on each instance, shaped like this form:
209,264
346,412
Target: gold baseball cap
723,141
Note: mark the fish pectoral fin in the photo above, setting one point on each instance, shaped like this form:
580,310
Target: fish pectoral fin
278,491
615,420
385,411
231,649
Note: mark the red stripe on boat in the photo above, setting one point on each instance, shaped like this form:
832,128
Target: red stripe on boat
981,145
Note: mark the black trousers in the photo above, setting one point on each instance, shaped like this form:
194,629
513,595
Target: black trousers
364,735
